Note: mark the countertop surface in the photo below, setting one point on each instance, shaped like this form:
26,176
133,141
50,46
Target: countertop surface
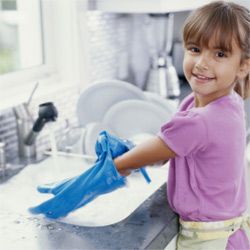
151,226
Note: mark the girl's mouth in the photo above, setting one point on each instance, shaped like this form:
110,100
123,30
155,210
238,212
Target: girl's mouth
202,78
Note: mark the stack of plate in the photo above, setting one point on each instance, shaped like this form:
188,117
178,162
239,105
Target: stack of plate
121,109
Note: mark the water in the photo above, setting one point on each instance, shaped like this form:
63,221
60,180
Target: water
53,148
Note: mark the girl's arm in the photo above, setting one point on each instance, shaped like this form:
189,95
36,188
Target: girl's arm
147,153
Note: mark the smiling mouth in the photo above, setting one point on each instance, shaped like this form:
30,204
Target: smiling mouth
203,78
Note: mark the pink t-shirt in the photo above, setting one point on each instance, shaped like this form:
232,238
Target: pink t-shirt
207,177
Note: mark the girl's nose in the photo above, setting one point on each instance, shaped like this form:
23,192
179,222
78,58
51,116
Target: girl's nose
202,63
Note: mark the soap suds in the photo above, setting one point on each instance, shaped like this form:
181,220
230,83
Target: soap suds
19,193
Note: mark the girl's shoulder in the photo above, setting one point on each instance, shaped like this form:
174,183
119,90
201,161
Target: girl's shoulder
228,102
187,103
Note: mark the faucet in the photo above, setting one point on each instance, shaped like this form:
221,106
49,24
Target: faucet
47,113
28,129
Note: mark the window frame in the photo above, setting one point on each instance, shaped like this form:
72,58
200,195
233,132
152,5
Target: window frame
44,70
66,57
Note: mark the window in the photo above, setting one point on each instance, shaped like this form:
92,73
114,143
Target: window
45,47
21,41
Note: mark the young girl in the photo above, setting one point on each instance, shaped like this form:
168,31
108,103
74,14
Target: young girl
205,140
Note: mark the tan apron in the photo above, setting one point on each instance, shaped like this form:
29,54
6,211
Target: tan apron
210,235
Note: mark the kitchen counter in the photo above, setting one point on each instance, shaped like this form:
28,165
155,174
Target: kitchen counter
150,226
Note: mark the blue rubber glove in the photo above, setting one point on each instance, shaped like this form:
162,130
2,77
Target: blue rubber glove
55,187
102,178
117,147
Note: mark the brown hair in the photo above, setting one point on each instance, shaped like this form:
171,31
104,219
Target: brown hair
226,21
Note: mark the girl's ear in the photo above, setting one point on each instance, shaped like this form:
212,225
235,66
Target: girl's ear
244,69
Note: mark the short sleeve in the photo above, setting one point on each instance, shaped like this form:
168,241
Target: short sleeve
185,133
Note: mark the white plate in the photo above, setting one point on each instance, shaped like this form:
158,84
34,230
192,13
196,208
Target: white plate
170,105
92,131
129,118
95,100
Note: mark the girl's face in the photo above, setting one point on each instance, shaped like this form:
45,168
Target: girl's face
211,72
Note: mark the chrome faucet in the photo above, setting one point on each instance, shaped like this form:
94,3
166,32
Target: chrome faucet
47,113
28,129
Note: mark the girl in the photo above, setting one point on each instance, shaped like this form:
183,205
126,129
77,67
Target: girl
205,140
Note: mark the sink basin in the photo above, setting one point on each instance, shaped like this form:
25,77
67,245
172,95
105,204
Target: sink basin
19,193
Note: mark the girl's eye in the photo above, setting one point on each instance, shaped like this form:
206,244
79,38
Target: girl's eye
194,49
220,54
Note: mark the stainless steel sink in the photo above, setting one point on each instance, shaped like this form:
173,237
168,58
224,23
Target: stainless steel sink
25,231
19,193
